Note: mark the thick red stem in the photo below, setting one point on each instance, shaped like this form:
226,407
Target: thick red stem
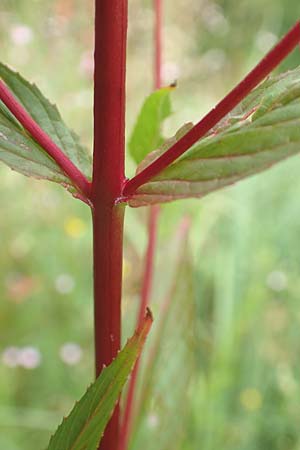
42,138
128,416
266,65
108,179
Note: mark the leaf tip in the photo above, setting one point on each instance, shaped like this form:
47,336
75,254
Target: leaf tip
147,322
173,85
149,314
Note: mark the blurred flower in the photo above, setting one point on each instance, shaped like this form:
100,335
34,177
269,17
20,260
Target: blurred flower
19,287
10,357
21,35
64,283
265,41
70,353
86,65
251,399
214,19
277,280
170,72
29,357
74,227
152,420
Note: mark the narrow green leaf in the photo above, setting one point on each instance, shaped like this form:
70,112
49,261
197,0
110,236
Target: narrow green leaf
146,135
262,131
19,151
84,427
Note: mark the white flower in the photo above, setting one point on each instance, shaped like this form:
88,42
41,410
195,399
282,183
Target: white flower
64,283
86,65
277,280
21,35
170,72
265,40
29,357
153,420
70,353
10,357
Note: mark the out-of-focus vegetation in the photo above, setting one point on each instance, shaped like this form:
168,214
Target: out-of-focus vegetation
227,368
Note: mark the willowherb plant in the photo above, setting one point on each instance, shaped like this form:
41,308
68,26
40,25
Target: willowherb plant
251,129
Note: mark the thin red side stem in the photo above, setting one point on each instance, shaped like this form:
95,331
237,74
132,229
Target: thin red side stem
108,179
42,138
128,417
266,65
181,236
145,299
149,262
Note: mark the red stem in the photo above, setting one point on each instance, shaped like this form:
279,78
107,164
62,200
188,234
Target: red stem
266,65
181,236
145,298
42,138
108,179
149,262
151,247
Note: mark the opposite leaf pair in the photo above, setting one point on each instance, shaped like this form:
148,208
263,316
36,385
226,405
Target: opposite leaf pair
261,131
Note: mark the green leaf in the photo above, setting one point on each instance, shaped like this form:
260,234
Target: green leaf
19,151
146,135
263,130
84,427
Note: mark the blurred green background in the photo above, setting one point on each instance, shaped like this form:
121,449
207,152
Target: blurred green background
222,365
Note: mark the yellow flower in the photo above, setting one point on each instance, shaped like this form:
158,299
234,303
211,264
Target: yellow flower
74,227
251,399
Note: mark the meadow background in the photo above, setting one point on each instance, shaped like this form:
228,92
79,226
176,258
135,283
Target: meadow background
222,366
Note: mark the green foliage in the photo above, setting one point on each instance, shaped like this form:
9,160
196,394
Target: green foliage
19,151
264,130
239,237
84,427
176,318
146,135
